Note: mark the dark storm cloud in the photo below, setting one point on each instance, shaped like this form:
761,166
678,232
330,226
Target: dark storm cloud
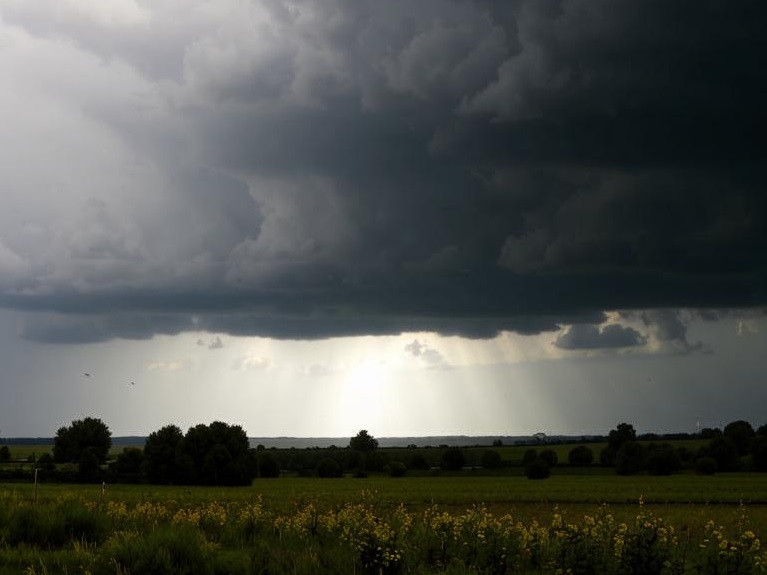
304,170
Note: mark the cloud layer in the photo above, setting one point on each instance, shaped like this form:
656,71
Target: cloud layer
304,170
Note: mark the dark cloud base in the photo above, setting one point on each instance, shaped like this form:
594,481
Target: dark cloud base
459,167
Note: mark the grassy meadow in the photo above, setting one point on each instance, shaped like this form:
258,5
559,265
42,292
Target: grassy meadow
466,524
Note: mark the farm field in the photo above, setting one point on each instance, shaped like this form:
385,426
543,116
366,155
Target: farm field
385,525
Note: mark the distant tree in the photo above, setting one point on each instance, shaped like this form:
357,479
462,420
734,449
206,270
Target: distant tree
5,453
580,456
622,433
397,469
88,466
762,431
163,453
327,467
497,443
491,459
663,460
529,456
220,454
630,458
452,459
417,461
710,433
82,434
268,466
724,452
129,462
537,469
363,441
46,465
741,434
550,456
759,453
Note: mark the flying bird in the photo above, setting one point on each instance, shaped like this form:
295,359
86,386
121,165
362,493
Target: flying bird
86,374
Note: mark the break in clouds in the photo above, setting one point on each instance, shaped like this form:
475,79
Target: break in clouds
296,169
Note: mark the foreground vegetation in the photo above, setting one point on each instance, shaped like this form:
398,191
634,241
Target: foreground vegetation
384,525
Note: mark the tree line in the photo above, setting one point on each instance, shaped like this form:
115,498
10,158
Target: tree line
220,454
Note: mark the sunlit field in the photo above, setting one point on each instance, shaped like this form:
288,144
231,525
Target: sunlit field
603,523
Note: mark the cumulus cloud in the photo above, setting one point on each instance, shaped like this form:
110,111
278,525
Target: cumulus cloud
253,362
301,169
427,355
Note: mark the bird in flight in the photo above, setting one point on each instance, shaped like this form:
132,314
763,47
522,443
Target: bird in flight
86,374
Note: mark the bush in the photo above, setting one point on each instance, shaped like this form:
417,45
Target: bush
550,457
5,453
630,458
328,467
529,456
705,466
580,456
417,461
397,469
268,466
537,469
491,459
663,460
453,459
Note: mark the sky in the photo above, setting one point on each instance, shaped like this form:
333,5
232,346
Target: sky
449,217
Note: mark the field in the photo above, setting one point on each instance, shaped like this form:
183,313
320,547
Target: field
588,523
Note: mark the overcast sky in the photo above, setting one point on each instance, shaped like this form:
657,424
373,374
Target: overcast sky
441,217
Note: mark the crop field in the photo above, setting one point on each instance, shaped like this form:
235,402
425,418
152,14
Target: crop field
590,523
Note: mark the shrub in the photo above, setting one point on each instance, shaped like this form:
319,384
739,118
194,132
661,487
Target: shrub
397,469
328,467
663,460
580,456
167,550
268,466
529,456
550,457
630,458
453,459
417,461
705,466
491,459
537,469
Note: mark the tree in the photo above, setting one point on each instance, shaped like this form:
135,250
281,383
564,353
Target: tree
46,465
90,432
88,466
724,452
5,453
268,466
363,442
162,453
129,463
759,453
741,434
417,461
452,459
622,433
580,456
219,454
